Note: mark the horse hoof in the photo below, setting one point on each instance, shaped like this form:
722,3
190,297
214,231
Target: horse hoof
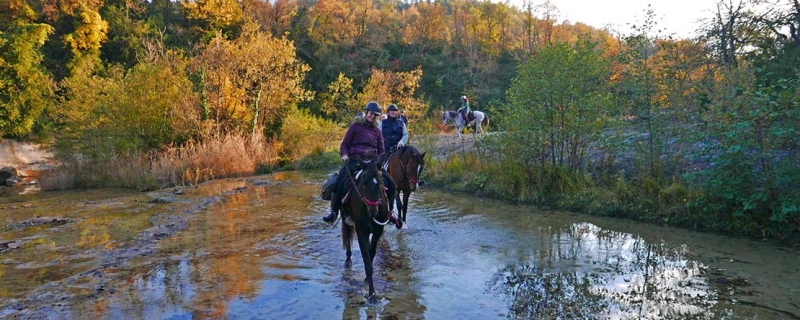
373,299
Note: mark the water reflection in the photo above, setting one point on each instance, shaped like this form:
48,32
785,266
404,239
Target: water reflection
589,272
259,251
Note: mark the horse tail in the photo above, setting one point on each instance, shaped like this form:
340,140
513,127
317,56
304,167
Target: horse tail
347,236
485,122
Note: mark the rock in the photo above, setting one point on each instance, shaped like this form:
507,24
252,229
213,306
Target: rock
9,176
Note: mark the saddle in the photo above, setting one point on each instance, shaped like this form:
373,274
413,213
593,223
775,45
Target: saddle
470,116
327,192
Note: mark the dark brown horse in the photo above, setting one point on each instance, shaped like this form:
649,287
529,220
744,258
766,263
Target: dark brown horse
368,207
405,165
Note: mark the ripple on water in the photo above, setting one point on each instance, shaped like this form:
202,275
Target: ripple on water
260,251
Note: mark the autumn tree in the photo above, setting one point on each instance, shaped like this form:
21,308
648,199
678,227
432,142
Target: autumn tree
26,88
275,16
214,16
426,26
251,81
388,87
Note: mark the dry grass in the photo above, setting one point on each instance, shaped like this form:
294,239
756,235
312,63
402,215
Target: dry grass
194,162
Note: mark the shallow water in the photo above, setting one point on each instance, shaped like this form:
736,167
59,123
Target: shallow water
255,248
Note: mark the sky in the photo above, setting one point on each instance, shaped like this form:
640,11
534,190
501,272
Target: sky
677,17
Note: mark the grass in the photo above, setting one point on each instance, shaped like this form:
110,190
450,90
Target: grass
306,142
191,163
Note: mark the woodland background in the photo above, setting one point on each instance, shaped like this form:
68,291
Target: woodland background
698,132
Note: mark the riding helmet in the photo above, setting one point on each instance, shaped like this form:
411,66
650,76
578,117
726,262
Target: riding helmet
393,107
463,97
374,107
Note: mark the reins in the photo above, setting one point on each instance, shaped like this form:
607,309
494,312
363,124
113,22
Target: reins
404,166
367,201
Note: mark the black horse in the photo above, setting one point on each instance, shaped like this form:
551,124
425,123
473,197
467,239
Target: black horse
366,204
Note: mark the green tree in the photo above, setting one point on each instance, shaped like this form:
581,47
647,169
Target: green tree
127,111
558,103
26,89
340,102
639,91
86,41
753,145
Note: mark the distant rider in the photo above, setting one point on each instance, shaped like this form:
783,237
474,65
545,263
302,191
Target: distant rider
464,109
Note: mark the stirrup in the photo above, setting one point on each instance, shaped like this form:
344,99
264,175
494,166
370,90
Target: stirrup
349,221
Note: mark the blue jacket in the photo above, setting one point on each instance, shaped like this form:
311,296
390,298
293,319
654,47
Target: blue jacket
394,131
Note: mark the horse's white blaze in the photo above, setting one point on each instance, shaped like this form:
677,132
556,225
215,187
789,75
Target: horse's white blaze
419,170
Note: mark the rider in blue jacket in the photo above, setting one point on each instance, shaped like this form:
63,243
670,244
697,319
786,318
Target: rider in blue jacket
395,133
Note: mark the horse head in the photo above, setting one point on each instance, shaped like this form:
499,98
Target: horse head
413,164
370,186
446,117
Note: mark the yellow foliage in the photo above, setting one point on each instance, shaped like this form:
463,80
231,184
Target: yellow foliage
90,35
217,13
389,87
251,81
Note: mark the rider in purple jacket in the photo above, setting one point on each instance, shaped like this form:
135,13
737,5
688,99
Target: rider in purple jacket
363,140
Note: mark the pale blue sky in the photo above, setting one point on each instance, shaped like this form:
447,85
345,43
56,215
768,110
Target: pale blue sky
676,16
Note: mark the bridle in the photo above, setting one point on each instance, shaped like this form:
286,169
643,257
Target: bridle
406,168
366,201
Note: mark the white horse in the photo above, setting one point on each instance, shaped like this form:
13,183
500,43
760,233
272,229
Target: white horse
456,119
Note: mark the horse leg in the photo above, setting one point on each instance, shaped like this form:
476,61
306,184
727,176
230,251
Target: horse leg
377,232
347,240
363,244
406,195
399,204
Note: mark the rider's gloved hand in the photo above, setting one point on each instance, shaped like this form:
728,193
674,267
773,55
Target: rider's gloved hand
345,157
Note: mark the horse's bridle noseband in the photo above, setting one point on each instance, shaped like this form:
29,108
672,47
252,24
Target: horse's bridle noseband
406,168
367,201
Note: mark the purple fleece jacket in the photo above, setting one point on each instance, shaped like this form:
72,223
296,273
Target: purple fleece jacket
362,140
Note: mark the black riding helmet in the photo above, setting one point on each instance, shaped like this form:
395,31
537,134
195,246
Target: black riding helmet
374,107
393,107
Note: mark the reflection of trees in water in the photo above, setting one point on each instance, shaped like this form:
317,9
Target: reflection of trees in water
588,272
537,295
395,284
220,260
406,303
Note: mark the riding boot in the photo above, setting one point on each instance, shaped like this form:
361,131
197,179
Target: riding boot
335,204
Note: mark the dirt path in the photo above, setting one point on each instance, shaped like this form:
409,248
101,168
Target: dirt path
445,145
